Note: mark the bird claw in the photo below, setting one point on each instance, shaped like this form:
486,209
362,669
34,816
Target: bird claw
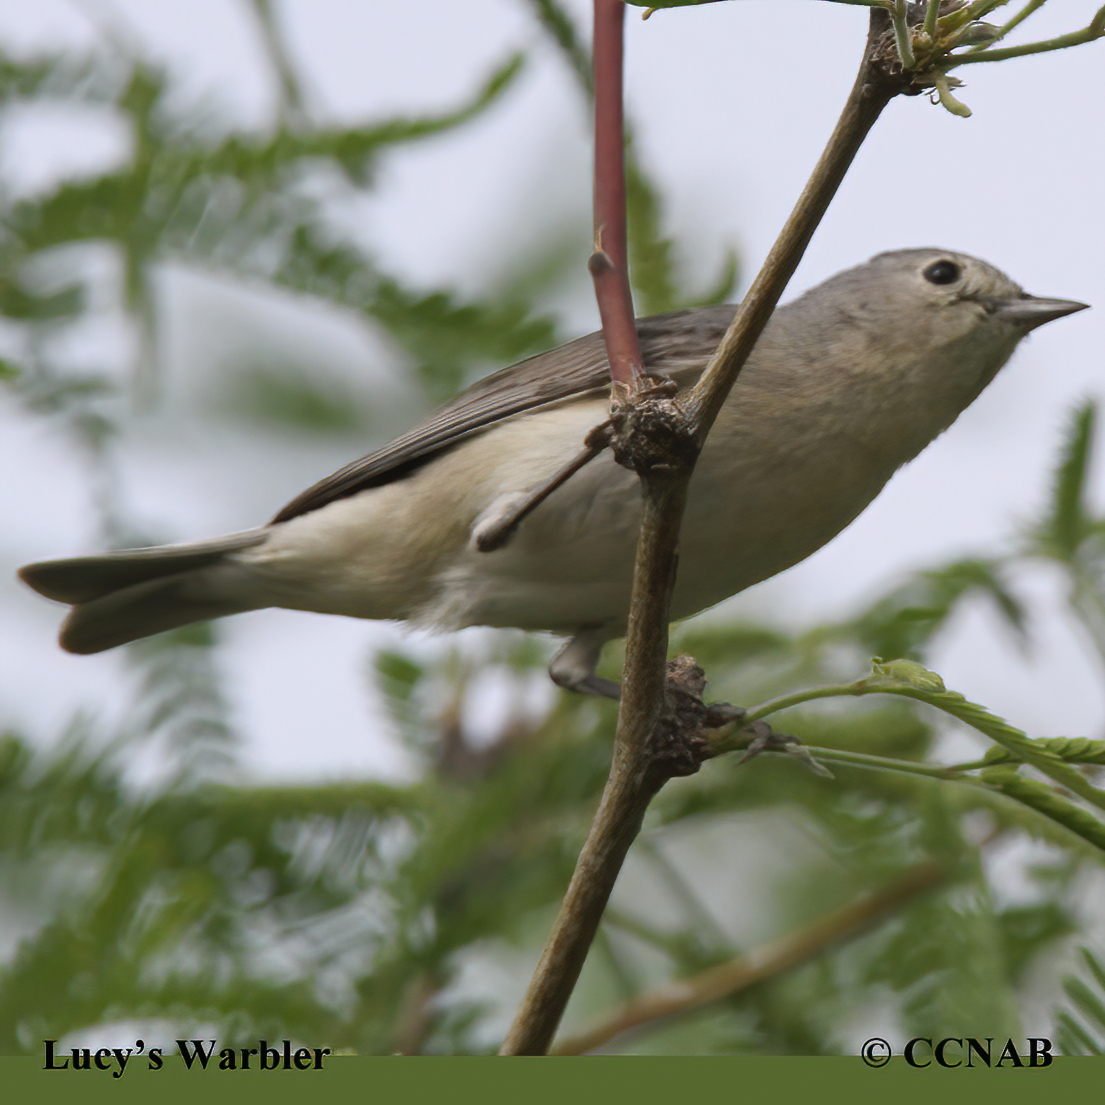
764,739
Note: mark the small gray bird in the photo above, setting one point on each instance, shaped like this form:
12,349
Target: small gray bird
847,383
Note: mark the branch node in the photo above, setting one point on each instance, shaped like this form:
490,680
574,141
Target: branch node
677,744
762,738
650,431
600,261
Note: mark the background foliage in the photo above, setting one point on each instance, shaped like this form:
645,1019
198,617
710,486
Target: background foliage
384,917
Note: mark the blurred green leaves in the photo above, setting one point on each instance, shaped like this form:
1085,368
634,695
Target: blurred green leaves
242,204
1086,992
1067,525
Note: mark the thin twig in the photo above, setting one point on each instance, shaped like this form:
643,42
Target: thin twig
555,20
931,14
1017,20
875,87
902,34
1090,33
415,1014
708,933
293,105
608,265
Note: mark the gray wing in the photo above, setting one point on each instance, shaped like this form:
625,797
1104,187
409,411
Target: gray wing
677,344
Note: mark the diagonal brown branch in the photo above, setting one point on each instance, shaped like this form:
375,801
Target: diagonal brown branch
766,962
876,85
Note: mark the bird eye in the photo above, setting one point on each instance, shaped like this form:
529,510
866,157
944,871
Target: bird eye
942,272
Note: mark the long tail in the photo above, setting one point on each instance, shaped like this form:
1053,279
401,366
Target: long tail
122,596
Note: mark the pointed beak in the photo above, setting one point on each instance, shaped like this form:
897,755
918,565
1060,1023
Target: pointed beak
1029,311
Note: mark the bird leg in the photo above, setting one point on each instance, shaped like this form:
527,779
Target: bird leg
496,525
573,667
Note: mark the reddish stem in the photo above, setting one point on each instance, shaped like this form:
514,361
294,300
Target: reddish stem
608,264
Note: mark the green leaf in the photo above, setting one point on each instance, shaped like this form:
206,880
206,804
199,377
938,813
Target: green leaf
289,395
1089,1003
558,23
1074,750
902,622
1067,523
1029,930
20,304
675,3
